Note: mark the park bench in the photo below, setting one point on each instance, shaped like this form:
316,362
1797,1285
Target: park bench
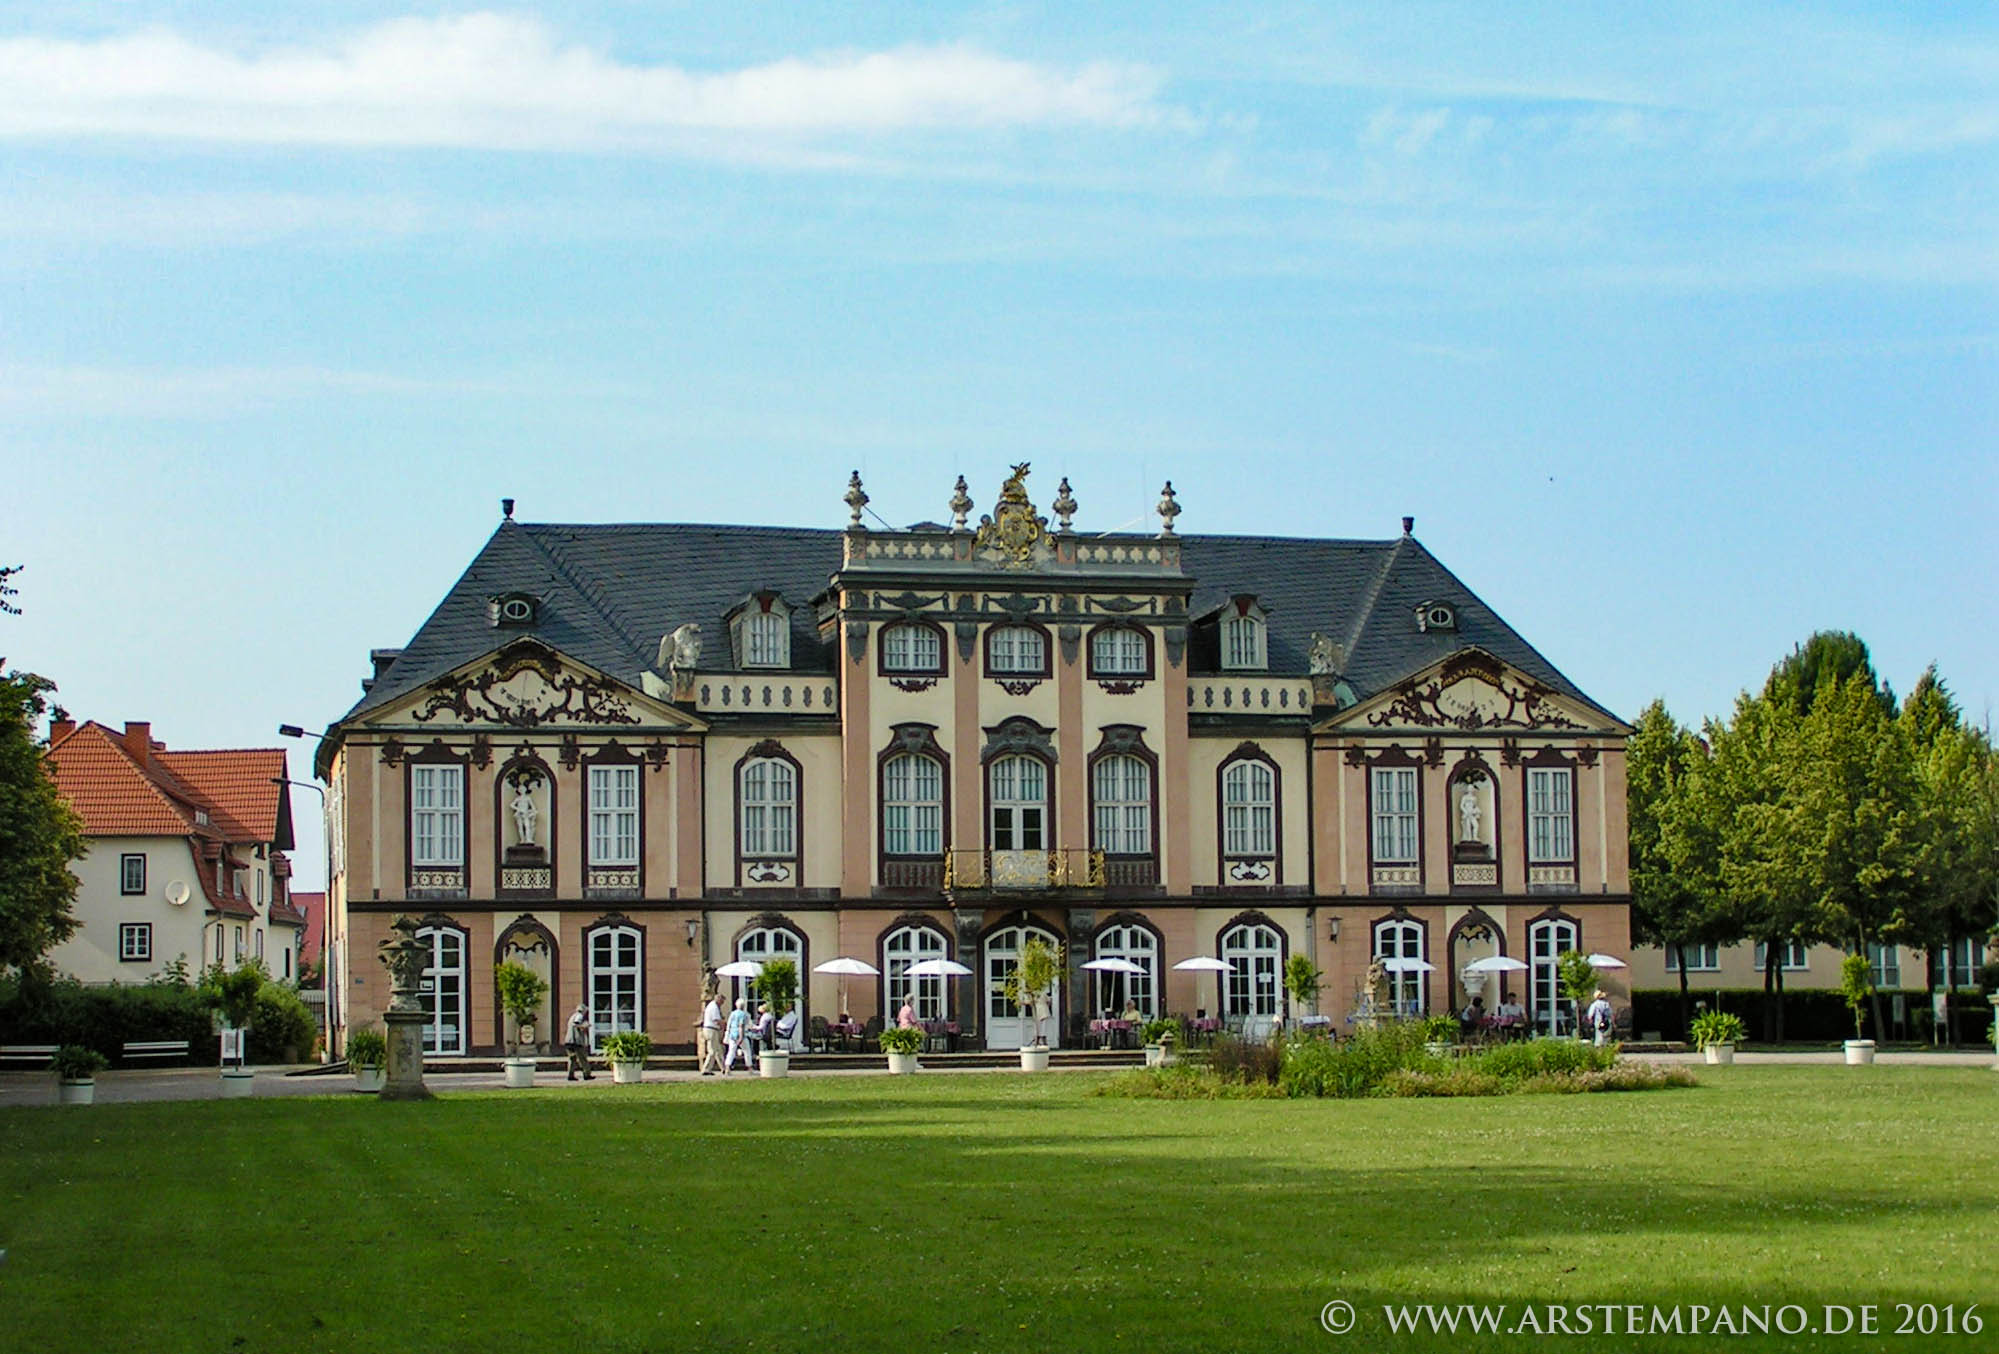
28,1055
136,1051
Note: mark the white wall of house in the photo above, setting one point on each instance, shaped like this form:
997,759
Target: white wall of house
161,931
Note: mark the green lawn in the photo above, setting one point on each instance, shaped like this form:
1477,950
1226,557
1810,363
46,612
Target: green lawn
987,1212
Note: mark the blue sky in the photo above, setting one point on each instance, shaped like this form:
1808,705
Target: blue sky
1674,327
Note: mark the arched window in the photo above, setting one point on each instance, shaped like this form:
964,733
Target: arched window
1120,651
1006,1024
1138,946
1400,941
1016,651
1242,643
1121,790
1547,940
766,640
912,647
760,945
1019,796
442,991
1249,808
615,981
1254,953
931,996
912,806
769,798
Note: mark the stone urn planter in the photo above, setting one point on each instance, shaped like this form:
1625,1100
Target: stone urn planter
77,1091
520,1073
902,1064
1720,1055
1034,1058
1155,1055
774,1063
1859,1052
237,1083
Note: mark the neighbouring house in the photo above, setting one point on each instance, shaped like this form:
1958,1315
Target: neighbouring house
186,855
628,755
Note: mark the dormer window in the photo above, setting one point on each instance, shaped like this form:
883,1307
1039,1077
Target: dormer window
513,610
1436,616
762,625
1244,647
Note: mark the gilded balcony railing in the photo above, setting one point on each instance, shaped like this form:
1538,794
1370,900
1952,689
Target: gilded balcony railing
1064,867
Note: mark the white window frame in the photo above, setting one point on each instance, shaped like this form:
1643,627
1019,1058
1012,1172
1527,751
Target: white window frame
1119,651
1249,808
1121,786
913,648
905,946
762,943
1254,953
1403,938
236,944
767,639
1884,964
1001,956
1007,648
1551,815
437,815
1138,946
1547,940
614,815
768,787
614,984
913,805
1244,645
1394,803
257,943
1702,957
1797,956
1018,794
135,942
129,886
445,989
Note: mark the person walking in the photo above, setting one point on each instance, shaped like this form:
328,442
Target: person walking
739,1026
709,1036
576,1043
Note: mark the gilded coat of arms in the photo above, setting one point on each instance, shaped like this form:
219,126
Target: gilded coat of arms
1014,529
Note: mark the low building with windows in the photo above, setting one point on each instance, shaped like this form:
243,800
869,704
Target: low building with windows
626,755
186,855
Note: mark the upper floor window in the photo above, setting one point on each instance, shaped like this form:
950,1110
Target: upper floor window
1120,651
1885,964
912,806
1550,814
1016,651
1019,803
437,814
770,807
910,647
1249,809
1701,958
132,872
766,640
1394,810
614,815
1121,787
1794,955
1243,643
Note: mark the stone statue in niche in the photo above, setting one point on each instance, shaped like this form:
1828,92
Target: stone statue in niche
528,784
525,813
1468,812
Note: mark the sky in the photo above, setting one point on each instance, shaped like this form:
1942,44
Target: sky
1674,327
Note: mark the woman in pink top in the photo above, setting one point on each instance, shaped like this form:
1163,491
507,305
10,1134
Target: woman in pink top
906,1017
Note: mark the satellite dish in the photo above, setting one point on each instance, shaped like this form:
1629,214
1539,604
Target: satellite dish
177,893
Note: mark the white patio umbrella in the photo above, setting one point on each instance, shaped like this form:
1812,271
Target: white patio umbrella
845,968
1403,964
1606,961
937,968
1205,963
1497,963
1113,964
739,968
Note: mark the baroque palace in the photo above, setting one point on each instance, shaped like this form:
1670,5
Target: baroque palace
627,755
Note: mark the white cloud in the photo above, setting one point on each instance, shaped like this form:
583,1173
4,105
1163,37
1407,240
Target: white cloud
490,81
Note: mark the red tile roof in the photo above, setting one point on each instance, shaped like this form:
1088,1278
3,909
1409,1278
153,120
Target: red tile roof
312,906
114,795
236,783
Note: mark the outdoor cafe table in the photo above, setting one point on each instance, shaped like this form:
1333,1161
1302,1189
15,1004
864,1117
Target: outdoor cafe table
846,1029
1112,1032
946,1030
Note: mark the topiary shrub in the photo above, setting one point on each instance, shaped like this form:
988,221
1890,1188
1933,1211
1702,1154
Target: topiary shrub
282,1028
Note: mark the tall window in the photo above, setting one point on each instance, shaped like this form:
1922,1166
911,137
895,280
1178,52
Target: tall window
1550,814
760,946
616,981
912,806
1016,650
614,815
911,648
132,872
1002,950
1119,651
1019,803
1249,809
1885,963
437,815
442,990
1138,946
766,640
1547,941
770,807
257,942
1122,785
903,948
1401,942
135,941
1242,643
1395,814
1249,989
1704,957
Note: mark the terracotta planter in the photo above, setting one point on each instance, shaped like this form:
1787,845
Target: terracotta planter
368,1080
81,1092
1859,1052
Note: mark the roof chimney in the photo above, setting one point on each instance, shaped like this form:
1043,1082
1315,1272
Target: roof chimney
1408,525
138,740
60,729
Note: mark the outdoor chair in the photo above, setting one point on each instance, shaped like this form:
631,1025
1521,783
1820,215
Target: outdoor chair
818,1035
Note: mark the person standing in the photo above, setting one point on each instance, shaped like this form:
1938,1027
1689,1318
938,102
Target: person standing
739,1026
710,1036
1599,1017
576,1042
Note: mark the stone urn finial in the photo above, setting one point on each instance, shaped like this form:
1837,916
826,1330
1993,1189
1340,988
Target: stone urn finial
1169,508
856,499
405,958
961,504
1064,505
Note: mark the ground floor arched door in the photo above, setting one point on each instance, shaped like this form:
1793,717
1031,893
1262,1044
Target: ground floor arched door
528,943
1007,1026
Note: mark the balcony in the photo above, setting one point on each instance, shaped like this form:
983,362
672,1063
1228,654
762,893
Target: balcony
983,870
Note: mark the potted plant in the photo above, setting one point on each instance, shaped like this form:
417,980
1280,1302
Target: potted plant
77,1068
1856,985
232,995
778,985
1301,982
902,1046
1716,1033
1158,1035
1439,1033
521,993
368,1058
1030,987
627,1051
1578,978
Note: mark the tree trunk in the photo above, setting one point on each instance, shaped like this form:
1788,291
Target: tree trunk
1773,1006
1874,998
1780,994
1686,1007
1949,987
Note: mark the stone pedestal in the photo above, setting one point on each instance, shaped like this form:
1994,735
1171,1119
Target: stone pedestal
405,1075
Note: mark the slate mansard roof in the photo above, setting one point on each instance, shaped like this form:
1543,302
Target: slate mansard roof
606,595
